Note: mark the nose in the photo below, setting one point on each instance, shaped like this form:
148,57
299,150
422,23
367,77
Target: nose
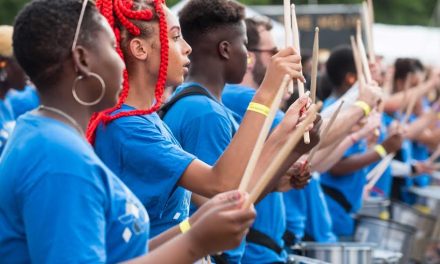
187,49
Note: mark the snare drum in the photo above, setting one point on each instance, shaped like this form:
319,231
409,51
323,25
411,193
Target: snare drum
386,257
295,259
341,253
387,235
424,224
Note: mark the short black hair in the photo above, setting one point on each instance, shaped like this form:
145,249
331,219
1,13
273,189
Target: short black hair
198,17
43,35
405,66
339,64
253,26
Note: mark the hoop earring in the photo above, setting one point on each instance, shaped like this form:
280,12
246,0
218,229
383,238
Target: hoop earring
75,95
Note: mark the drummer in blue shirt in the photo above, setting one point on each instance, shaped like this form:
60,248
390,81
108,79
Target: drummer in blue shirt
11,76
138,146
58,202
210,125
344,183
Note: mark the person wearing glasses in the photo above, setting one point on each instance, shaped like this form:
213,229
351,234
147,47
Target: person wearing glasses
59,203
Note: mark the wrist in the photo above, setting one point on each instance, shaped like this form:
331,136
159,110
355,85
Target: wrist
196,247
185,226
366,108
264,95
380,150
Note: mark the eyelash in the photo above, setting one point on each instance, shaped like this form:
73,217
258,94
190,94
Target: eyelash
176,38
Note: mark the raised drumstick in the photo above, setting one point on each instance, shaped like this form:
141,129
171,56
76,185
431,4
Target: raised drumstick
288,33
369,31
358,64
362,53
258,148
314,80
300,84
282,155
325,132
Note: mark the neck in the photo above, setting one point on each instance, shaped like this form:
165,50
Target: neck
210,77
248,81
141,94
3,91
81,114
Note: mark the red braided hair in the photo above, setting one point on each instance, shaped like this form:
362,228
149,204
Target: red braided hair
122,11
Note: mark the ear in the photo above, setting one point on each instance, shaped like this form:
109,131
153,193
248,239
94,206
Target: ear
139,48
350,78
82,60
252,58
224,48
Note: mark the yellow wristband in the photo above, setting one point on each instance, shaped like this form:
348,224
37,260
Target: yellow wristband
259,108
380,150
184,226
364,106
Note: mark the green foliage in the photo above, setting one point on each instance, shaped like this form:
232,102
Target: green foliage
405,12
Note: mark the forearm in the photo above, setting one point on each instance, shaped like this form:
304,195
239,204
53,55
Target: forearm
230,167
354,163
342,125
416,128
198,200
181,249
395,102
325,159
162,238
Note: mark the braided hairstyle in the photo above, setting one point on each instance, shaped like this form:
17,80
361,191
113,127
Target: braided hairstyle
125,17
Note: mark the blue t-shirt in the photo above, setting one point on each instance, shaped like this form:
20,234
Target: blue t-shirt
7,123
205,131
271,215
319,224
382,187
60,204
296,207
350,185
143,152
23,101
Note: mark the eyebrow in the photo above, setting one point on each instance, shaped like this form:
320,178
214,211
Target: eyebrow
174,27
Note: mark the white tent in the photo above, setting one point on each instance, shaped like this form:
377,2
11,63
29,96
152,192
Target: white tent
408,41
391,41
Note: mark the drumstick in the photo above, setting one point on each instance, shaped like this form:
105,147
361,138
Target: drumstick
295,33
369,32
288,33
264,132
324,132
358,64
410,109
273,167
434,155
314,80
378,171
362,53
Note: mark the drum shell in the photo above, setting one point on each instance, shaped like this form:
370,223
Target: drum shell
424,224
387,235
343,253
375,206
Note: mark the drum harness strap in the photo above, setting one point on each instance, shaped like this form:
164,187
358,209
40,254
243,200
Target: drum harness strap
338,196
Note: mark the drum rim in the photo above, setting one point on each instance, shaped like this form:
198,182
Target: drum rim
412,230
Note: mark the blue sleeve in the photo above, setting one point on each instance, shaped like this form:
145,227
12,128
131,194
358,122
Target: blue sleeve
64,219
155,165
278,118
207,136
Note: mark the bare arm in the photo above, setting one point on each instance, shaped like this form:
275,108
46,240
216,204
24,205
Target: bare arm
226,173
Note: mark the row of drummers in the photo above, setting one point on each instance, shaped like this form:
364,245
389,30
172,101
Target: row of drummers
384,211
